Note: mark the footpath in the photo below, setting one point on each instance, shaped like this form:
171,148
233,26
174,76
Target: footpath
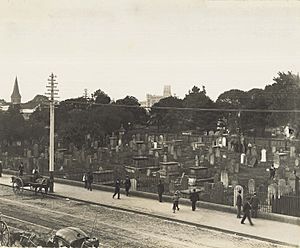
278,232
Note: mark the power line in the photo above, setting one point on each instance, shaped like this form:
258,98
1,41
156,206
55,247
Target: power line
189,109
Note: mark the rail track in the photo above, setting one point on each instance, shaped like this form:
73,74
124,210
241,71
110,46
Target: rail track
113,227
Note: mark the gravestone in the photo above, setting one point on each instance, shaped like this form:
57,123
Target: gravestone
292,151
251,186
196,160
212,159
243,155
281,187
224,178
184,182
216,178
155,145
296,162
237,168
165,158
272,192
274,149
218,152
235,193
263,155
224,141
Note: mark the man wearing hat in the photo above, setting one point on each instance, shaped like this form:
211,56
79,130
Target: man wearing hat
254,205
239,204
246,210
175,201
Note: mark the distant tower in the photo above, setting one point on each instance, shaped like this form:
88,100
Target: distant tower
167,91
15,96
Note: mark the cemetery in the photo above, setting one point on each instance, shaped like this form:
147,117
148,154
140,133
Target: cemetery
216,164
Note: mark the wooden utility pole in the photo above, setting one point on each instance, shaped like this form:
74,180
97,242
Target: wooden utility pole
52,92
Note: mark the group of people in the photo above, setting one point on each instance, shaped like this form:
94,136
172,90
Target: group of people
194,197
127,184
250,207
88,179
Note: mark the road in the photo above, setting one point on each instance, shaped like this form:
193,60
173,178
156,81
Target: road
114,228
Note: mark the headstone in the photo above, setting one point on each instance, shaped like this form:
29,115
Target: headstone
216,178
263,155
224,178
218,152
235,193
212,159
165,158
296,162
274,149
272,192
251,186
243,155
292,151
196,160
237,168
224,141
281,187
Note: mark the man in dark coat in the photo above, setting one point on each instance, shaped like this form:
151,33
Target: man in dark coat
90,179
239,203
272,172
21,169
254,205
194,198
246,210
160,190
1,168
117,188
127,184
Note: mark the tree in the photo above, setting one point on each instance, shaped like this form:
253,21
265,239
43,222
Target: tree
170,119
100,97
195,119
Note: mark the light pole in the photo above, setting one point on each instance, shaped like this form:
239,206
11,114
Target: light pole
52,92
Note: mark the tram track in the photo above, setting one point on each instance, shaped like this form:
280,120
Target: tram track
114,227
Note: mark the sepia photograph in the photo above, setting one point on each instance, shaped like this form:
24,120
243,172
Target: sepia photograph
150,123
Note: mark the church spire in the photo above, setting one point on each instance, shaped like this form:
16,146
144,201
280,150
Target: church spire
16,96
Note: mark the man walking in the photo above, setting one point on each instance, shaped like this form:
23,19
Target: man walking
246,210
175,201
21,169
239,203
117,188
194,198
254,205
127,185
160,189
90,179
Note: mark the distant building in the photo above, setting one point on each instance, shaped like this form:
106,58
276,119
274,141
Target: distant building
152,99
16,96
26,109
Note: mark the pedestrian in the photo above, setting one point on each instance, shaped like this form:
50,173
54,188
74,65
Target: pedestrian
117,188
239,203
127,184
246,210
90,179
194,198
160,190
272,172
176,201
21,169
1,168
84,179
254,202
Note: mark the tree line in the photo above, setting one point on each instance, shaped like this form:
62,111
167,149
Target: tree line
98,116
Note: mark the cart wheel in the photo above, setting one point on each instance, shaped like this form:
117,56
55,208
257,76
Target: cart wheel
18,186
4,234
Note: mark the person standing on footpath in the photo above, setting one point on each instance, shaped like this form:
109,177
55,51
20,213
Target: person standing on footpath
117,188
84,179
160,190
176,201
246,210
90,179
1,168
21,169
254,202
127,184
239,203
194,198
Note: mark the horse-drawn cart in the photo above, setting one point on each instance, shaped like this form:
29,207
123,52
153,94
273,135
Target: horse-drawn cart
30,181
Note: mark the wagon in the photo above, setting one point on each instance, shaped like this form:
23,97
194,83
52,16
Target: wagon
30,181
4,233
72,237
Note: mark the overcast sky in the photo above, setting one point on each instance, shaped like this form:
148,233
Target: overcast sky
134,47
